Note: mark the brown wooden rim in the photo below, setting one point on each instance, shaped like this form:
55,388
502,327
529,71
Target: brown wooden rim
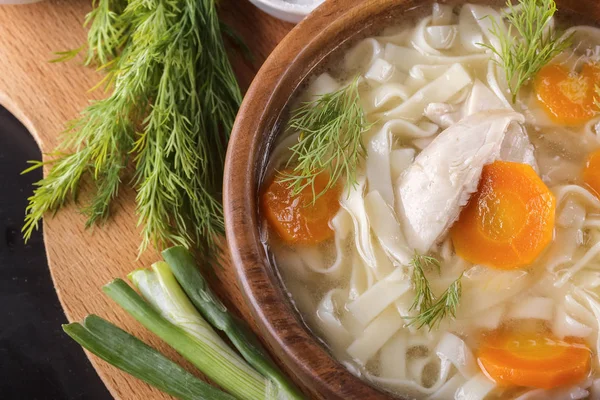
294,58
335,22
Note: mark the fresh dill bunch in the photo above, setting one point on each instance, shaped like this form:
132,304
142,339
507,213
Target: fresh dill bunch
443,307
425,297
431,310
182,148
529,43
330,140
172,107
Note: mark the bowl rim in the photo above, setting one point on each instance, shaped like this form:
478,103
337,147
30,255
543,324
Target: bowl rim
284,70
281,74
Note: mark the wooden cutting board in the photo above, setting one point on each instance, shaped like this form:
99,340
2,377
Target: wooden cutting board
44,96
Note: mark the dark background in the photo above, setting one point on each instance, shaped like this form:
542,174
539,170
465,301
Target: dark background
37,360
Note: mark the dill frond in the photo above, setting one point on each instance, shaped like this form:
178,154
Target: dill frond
172,106
108,30
53,191
107,189
425,297
431,310
529,43
63,56
182,149
444,307
331,140
101,138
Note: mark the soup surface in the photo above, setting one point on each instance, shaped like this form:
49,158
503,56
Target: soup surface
450,246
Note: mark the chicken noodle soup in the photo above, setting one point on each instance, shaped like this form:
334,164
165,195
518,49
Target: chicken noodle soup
448,247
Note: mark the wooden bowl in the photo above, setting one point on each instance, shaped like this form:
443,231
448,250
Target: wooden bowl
335,23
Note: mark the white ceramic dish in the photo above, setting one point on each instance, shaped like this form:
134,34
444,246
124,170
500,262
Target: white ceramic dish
288,10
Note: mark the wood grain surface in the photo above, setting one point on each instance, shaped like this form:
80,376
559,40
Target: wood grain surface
44,96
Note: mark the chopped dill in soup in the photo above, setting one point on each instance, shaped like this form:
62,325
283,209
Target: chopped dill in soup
433,206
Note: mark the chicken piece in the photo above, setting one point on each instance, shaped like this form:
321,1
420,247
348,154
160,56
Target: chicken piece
516,147
440,181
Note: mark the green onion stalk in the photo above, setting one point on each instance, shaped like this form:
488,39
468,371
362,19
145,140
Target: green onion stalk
172,317
183,266
133,356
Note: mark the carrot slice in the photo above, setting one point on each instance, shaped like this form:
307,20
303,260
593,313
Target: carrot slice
567,97
296,219
509,221
533,359
591,172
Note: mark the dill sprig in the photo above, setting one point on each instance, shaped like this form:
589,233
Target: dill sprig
101,139
425,297
108,30
172,106
431,310
331,140
525,52
444,307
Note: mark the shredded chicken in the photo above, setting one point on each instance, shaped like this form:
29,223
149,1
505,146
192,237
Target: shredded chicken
440,181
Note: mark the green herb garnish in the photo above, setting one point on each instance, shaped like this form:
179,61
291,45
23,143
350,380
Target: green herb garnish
425,297
108,30
445,306
172,107
431,310
331,140
525,52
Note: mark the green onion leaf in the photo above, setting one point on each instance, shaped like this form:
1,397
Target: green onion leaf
174,319
182,264
133,356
